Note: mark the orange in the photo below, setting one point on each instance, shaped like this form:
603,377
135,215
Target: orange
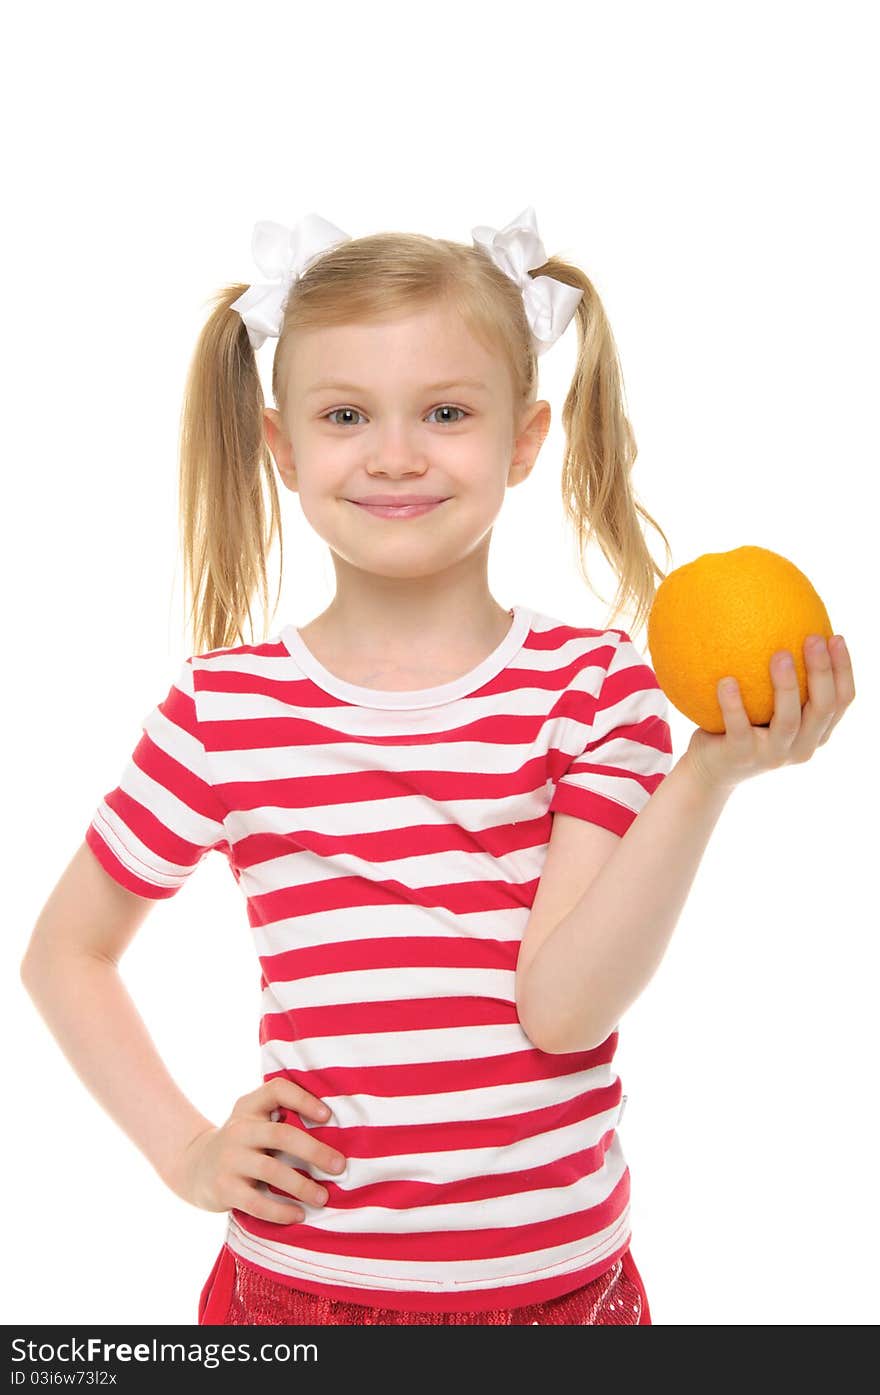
724,615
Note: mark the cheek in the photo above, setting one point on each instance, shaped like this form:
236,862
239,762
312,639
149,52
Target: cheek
325,480
322,501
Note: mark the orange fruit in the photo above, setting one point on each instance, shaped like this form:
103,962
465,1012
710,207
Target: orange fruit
724,615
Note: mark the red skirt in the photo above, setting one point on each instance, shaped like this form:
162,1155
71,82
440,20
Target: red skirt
237,1295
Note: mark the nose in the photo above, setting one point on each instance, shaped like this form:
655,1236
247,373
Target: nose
395,451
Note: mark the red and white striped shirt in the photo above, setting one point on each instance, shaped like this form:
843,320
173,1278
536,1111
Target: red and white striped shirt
389,846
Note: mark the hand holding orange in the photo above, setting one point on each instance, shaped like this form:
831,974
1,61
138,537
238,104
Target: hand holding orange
735,615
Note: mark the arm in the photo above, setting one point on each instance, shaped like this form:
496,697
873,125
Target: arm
70,971
595,962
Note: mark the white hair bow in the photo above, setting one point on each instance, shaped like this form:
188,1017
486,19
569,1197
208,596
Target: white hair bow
517,249
283,254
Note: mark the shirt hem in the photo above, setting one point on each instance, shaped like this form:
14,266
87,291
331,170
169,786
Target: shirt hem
116,868
455,1300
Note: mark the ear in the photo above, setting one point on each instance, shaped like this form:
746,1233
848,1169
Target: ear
279,444
533,429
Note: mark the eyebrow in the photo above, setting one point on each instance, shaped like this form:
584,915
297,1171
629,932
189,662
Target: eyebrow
430,387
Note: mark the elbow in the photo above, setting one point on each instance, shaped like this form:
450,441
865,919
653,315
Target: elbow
551,1032
539,1036
27,968
26,975
529,1028
568,1046
537,1041
558,1043
25,965
32,960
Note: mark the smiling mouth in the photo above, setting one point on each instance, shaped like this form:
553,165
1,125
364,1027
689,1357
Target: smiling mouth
411,510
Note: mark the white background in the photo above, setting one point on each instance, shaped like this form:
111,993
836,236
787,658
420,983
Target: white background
711,169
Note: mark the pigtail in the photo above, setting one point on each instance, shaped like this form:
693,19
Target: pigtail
599,455
224,462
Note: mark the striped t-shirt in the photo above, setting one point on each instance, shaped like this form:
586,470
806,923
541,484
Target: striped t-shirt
389,846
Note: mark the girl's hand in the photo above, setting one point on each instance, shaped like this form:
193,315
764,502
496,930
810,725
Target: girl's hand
220,1168
723,760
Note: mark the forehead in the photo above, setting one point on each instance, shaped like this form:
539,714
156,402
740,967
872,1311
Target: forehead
419,349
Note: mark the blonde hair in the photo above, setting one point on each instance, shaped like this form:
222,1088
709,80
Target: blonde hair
227,529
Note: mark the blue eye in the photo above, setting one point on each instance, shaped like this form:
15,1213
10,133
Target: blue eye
446,407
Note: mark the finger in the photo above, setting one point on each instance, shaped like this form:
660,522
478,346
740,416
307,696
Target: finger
736,719
786,720
288,1180
293,1096
843,671
844,681
249,1198
300,1143
819,709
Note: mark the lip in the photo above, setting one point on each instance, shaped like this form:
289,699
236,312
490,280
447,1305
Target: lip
398,500
407,508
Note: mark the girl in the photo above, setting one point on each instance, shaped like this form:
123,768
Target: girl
457,828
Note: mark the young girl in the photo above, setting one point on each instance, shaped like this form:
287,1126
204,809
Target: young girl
456,827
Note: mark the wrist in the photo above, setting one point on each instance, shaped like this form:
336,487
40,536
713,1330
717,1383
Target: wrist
172,1166
704,784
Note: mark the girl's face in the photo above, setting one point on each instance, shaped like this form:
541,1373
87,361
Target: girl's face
402,420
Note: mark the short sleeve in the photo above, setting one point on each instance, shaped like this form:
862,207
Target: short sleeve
624,744
151,831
